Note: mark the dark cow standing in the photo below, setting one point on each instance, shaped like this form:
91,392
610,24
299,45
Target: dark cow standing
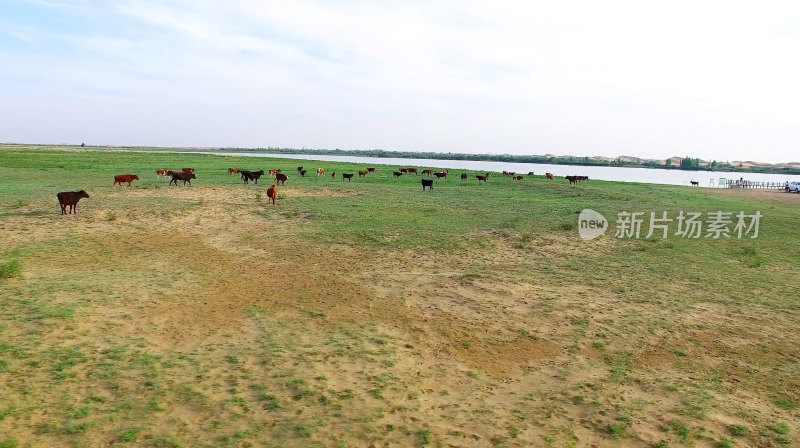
464,176
397,174
347,176
371,170
299,168
303,173
251,175
70,198
362,174
441,175
185,177
572,179
281,178
427,183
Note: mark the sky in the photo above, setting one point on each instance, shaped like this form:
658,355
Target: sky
716,80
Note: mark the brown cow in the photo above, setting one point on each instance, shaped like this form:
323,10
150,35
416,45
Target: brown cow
442,175
185,177
281,178
70,198
572,179
333,175
347,176
403,170
427,172
320,172
517,177
188,170
362,174
125,178
482,178
371,170
272,173
272,193
161,173
412,170
549,176
233,170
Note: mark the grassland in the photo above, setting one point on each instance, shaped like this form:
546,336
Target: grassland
372,314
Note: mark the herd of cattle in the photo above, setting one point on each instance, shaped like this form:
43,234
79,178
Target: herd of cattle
70,198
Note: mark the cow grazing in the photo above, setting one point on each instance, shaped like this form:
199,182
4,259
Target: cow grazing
549,176
427,183
347,176
251,175
125,178
694,183
430,172
397,174
483,178
441,175
234,170
272,194
188,170
299,168
464,176
281,178
517,177
530,173
303,173
185,177
403,170
272,173
320,172
70,198
580,178
412,170
362,174
161,173
572,179
371,170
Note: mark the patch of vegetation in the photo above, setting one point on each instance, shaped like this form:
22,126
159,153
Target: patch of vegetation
10,269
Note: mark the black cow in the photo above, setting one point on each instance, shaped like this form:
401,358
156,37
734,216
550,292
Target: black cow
397,174
185,177
70,198
251,175
427,183
347,176
463,176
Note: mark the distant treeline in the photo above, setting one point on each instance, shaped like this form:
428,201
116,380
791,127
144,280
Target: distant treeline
687,163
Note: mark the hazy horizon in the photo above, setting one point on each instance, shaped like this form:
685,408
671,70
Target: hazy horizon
713,80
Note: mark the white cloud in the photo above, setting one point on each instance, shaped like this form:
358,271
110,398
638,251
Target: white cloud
712,79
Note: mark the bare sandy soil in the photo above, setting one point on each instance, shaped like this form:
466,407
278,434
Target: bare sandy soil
209,322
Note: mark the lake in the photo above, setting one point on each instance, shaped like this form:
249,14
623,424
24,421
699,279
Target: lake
614,173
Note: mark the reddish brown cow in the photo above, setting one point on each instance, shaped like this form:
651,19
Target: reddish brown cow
333,175
482,178
412,170
549,176
441,175
161,173
281,178
517,177
70,198
188,170
427,172
362,174
320,172
272,193
272,173
233,170
403,170
371,170
572,179
125,178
